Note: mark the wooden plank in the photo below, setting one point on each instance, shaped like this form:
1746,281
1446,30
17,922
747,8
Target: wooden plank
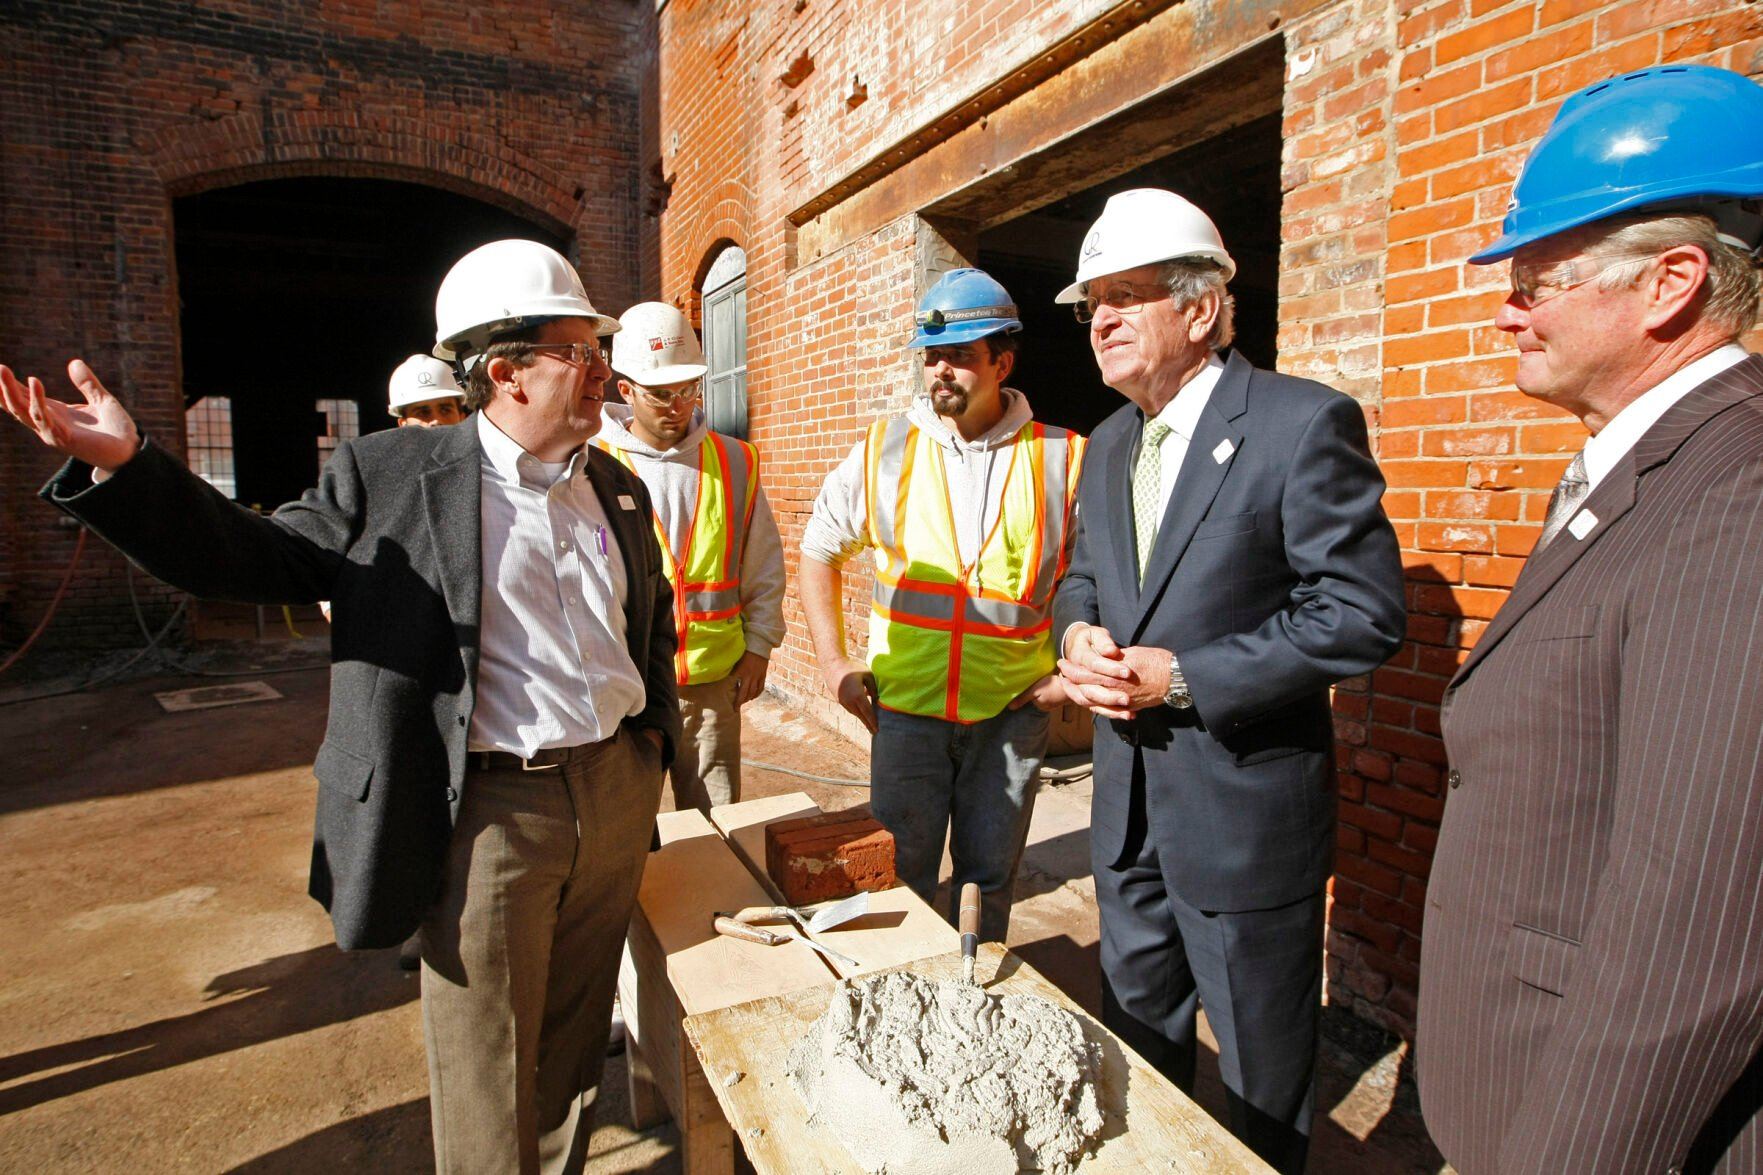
1149,1125
743,826
678,964
694,875
899,926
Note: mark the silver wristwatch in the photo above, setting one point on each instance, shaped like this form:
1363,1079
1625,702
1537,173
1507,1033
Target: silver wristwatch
1177,695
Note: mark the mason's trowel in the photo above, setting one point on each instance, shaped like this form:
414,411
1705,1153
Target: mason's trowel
835,915
968,922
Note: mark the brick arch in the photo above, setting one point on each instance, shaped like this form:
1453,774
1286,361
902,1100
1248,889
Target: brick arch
723,218
193,158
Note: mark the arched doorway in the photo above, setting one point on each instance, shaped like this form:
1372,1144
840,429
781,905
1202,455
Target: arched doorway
725,341
297,299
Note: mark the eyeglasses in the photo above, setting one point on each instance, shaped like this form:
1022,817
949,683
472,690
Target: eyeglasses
582,353
668,397
1533,284
1122,297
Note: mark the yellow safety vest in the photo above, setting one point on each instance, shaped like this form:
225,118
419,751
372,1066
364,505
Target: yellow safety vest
952,641
707,594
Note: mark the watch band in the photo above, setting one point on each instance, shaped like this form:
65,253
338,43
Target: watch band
1177,695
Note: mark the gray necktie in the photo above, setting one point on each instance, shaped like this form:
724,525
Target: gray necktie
1570,491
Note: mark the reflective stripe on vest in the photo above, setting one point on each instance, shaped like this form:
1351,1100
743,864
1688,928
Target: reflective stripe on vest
952,641
707,597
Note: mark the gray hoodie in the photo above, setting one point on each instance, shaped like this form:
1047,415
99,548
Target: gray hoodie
839,529
671,478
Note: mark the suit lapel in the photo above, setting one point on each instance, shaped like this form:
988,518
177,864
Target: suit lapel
1117,524
452,502
1614,497
1202,473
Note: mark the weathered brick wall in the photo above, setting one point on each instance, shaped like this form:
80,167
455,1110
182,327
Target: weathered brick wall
111,110
1404,122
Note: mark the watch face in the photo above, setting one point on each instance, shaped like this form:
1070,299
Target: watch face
1182,701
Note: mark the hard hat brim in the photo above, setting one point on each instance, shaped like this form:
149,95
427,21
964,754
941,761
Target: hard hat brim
449,348
660,377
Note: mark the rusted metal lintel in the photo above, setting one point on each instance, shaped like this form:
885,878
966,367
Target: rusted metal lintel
1141,66
1085,41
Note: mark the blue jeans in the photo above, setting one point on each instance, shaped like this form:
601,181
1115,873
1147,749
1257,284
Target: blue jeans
930,777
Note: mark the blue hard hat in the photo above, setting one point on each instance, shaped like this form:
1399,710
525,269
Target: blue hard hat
964,305
1672,137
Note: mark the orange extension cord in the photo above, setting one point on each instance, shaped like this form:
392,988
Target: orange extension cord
79,549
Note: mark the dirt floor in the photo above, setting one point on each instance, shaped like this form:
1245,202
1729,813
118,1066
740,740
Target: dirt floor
170,999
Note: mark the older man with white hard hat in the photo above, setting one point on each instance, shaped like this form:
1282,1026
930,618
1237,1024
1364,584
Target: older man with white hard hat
718,539
1591,977
1204,621
492,764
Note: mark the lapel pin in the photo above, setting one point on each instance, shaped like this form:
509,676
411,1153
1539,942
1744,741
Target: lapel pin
627,502
1582,523
1222,453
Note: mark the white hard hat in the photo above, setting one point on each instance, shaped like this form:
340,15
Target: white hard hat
420,378
502,287
1142,226
656,346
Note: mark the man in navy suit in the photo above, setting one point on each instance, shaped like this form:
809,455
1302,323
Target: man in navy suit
1204,624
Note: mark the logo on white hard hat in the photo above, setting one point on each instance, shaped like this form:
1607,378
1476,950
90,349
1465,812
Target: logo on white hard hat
657,343
425,378
1092,244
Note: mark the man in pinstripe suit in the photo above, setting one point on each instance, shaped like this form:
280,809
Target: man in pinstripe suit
1591,993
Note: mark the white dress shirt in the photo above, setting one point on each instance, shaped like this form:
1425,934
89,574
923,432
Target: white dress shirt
1182,415
1603,451
553,667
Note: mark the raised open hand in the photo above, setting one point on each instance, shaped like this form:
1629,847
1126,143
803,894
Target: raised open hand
99,432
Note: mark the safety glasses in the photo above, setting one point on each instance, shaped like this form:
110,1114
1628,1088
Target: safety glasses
1122,297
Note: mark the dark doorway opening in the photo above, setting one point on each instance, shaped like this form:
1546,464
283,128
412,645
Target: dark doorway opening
1233,176
299,297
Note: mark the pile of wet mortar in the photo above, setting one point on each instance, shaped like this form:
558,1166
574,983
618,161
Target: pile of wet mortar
922,1075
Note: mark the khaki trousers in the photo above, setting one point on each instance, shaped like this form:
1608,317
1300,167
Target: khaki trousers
520,955
707,770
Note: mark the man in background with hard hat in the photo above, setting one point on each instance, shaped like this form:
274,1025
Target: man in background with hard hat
422,391
492,764
1204,624
1591,979
967,502
719,543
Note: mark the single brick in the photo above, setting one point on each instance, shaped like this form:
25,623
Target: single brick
831,855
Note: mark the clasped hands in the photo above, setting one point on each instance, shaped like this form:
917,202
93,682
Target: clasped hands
1098,674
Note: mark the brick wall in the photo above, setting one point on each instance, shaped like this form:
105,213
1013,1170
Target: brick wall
1404,123
112,110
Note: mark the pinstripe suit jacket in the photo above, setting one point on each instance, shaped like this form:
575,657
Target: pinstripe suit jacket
1591,990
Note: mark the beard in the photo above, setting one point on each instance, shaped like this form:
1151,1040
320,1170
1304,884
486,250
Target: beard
948,399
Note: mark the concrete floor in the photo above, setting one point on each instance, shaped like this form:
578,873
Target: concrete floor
170,999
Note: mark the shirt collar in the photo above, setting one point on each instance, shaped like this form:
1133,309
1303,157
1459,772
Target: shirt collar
1182,414
1603,451
510,461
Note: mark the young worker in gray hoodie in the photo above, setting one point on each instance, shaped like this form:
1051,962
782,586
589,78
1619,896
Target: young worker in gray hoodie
967,504
719,543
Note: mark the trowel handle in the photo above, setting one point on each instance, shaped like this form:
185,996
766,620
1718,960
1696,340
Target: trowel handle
968,922
723,924
752,914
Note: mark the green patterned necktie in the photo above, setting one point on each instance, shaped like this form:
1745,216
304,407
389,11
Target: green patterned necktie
1147,490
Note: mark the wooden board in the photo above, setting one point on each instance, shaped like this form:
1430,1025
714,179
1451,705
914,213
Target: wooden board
675,964
1149,1124
899,926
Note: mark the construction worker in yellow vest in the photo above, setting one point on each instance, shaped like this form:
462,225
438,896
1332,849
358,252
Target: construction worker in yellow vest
719,543
966,502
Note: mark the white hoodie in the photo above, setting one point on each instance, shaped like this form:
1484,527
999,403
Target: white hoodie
671,478
838,530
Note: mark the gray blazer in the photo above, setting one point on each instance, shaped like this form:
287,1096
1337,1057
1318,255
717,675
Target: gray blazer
1591,980
391,536
1275,574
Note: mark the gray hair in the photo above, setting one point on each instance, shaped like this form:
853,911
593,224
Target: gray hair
1733,278
1189,279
